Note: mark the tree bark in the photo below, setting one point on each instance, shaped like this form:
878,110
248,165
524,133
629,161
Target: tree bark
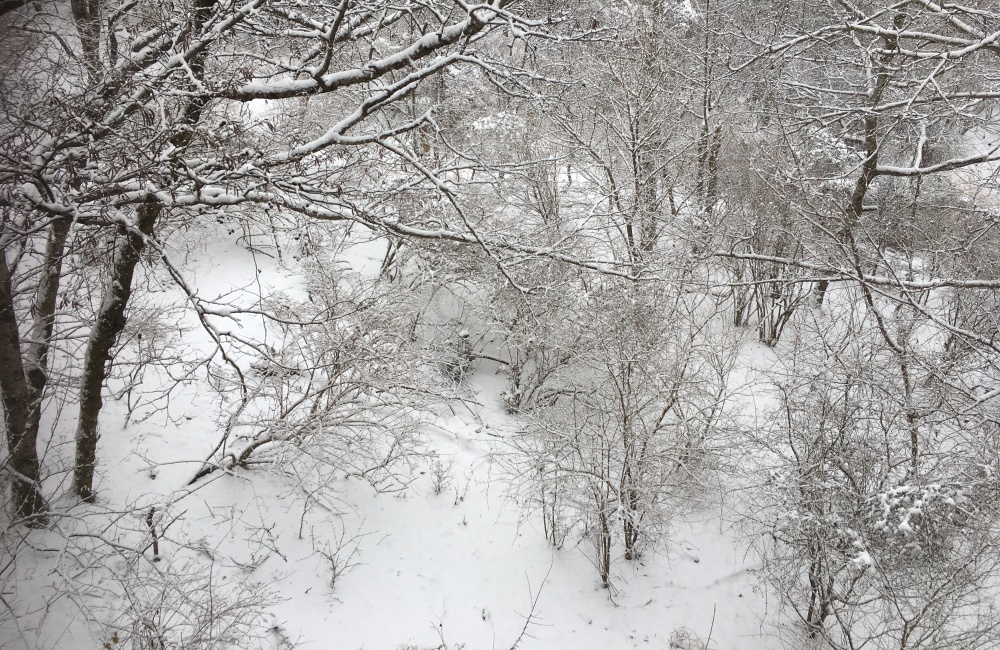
40,339
26,494
108,326
87,15
111,318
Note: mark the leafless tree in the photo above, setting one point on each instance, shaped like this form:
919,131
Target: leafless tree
162,134
633,425
864,548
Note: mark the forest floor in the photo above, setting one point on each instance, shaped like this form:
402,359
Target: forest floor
453,561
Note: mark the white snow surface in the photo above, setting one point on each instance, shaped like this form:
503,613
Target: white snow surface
466,567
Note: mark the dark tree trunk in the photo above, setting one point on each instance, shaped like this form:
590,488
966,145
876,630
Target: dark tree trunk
820,291
87,15
111,318
37,353
108,326
26,494
630,506
604,548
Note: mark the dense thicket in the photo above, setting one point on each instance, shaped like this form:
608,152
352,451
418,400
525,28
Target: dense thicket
604,201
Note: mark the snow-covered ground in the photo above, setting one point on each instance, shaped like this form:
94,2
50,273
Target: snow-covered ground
453,561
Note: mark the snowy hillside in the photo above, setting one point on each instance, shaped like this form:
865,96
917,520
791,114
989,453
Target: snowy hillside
453,558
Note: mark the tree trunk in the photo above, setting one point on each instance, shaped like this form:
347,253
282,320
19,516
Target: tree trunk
87,15
37,353
820,291
111,318
819,603
630,507
108,326
26,494
604,549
